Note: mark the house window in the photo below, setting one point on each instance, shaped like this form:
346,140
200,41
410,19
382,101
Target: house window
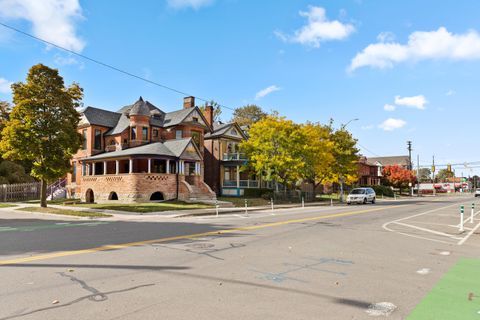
84,139
155,133
145,133
84,168
74,171
133,135
178,134
98,140
196,137
195,119
233,132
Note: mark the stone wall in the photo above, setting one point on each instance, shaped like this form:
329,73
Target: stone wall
136,187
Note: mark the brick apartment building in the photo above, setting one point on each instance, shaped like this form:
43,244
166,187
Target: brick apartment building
141,153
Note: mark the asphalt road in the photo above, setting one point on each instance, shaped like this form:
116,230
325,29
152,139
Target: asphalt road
312,263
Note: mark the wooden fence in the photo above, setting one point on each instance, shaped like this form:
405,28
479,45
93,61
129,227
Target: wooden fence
19,192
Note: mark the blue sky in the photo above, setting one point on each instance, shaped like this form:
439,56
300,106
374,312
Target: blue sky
408,70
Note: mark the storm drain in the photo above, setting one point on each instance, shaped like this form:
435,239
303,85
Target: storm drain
381,309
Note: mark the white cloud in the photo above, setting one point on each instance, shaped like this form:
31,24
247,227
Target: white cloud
369,127
450,92
52,20
386,37
195,4
414,102
5,86
262,93
421,45
318,29
391,124
389,107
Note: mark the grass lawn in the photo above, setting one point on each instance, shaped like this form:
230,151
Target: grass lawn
56,201
240,201
6,205
65,212
145,207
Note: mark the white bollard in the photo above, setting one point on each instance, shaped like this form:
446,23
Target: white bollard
246,207
331,202
394,196
461,219
216,207
271,202
303,203
471,213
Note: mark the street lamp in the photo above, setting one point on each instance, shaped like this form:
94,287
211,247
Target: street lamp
346,124
342,127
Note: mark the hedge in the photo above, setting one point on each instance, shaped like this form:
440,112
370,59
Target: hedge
381,190
257,193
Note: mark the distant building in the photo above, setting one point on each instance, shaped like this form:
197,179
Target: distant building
370,169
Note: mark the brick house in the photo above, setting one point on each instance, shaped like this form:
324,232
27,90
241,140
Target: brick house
140,153
370,169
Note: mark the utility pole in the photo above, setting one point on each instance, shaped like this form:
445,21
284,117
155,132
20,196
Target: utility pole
409,148
418,175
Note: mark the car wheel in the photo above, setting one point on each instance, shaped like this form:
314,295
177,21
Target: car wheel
373,200
364,200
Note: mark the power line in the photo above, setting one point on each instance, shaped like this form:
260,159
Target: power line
368,150
108,65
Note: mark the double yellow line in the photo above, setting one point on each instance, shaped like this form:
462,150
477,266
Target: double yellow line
183,237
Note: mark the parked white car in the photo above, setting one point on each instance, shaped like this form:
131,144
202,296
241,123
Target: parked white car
477,192
361,195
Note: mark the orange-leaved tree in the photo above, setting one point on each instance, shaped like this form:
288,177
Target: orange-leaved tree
398,177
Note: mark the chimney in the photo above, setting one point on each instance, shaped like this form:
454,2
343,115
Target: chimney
188,102
209,115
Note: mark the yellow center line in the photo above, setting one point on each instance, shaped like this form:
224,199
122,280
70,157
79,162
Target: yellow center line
188,236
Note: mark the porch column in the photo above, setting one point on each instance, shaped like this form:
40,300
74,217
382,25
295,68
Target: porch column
117,167
104,167
130,168
168,167
238,176
93,168
87,169
149,165
181,167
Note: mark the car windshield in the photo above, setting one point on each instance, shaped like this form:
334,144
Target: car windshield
358,191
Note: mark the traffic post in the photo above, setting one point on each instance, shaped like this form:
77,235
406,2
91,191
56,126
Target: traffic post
246,207
461,219
271,202
303,202
216,207
471,212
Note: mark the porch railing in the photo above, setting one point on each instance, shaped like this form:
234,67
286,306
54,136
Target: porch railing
234,156
244,184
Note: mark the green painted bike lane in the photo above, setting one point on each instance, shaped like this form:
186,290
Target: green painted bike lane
455,296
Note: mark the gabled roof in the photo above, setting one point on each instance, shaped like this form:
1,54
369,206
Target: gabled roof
101,117
221,129
122,124
176,117
389,161
140,108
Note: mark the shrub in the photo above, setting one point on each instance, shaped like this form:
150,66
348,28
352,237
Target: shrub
381,190
256,193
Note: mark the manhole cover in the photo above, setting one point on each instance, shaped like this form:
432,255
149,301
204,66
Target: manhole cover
381,309
200,245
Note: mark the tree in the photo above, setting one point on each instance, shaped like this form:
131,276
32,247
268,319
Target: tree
424,175
443,175
318,154
4,111
248,115
42,126
345,167
274,149
398,177
217,111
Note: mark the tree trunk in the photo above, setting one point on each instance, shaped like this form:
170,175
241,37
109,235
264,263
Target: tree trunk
43,194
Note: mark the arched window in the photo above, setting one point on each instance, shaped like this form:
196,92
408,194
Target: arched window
113,196
156,196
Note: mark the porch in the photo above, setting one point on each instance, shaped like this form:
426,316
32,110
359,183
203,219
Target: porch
234,181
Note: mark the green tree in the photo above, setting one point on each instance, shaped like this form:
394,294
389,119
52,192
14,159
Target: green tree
4,111
274,149
42,126
217,111
345,152
443,175
248,115
318,153
424,175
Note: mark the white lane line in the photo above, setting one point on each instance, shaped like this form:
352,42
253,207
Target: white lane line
429,230
468,235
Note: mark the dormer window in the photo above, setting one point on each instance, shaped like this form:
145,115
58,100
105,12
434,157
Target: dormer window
195,119
157,117
233,132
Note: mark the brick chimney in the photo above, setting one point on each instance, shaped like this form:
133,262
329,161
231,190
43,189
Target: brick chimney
209,115
188,102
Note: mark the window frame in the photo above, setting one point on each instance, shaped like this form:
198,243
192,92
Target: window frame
85,139
99,137
177,132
